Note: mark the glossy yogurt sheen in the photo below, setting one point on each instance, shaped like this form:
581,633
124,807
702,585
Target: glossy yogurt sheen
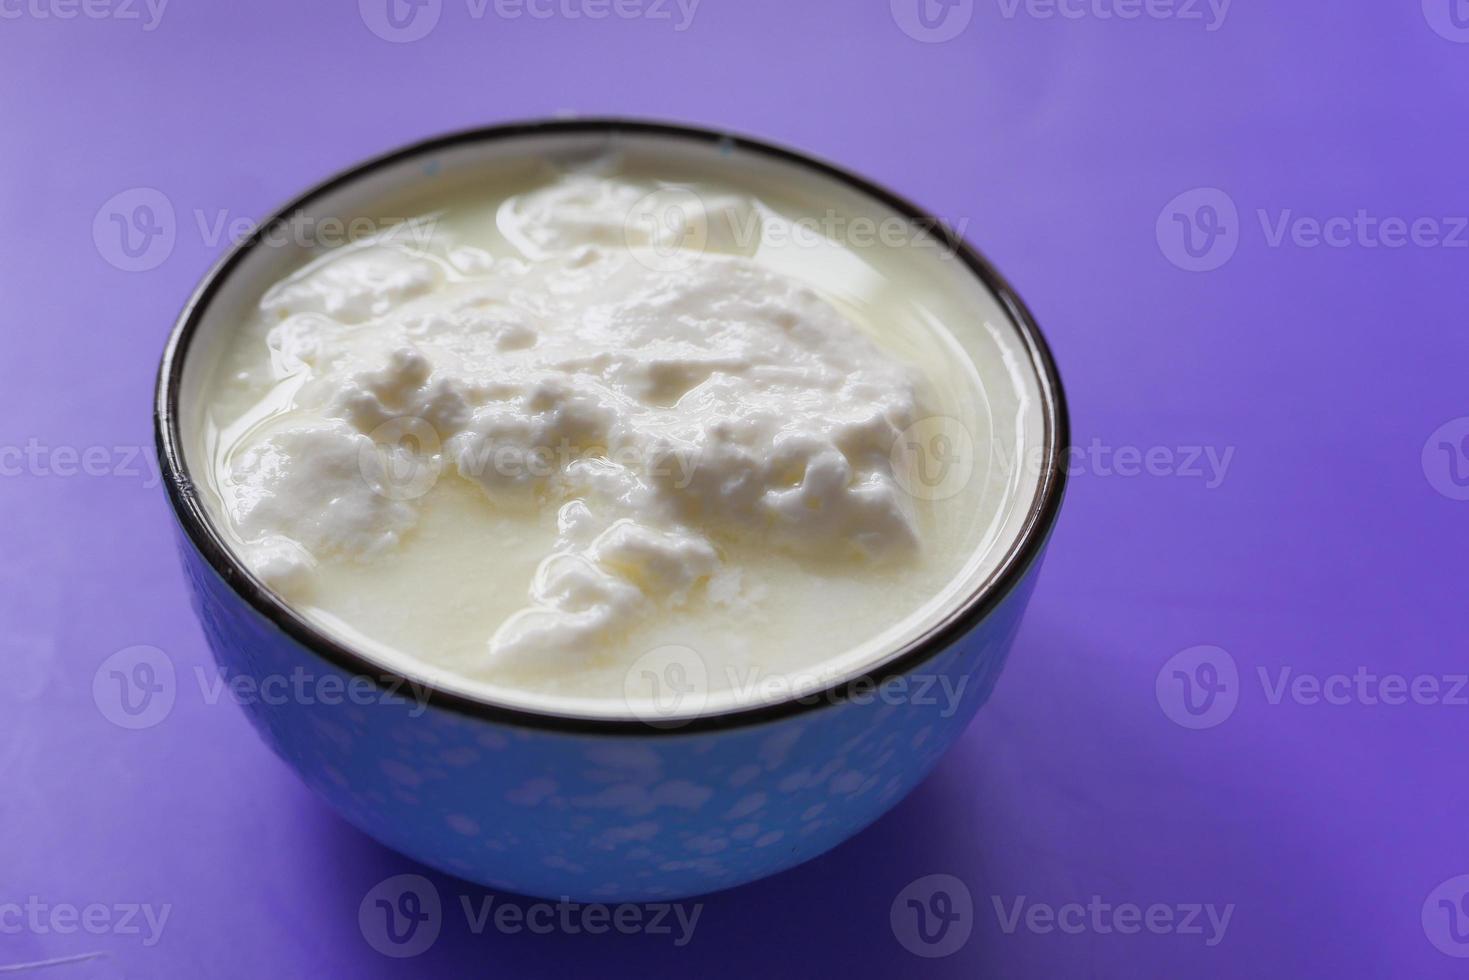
564,431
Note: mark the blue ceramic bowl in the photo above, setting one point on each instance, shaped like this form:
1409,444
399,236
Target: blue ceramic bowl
556,805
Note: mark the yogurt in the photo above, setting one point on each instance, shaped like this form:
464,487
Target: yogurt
602,414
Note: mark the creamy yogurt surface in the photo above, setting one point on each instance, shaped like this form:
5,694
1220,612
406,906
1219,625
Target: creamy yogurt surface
595,416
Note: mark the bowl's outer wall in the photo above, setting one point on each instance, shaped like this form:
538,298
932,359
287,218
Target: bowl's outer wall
588,816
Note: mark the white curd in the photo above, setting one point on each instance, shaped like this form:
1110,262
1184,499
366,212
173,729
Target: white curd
595,413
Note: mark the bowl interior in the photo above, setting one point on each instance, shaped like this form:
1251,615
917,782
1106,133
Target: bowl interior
1018,441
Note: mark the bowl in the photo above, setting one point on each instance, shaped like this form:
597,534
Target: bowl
589,807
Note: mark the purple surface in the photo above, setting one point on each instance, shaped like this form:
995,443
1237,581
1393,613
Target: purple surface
1334,543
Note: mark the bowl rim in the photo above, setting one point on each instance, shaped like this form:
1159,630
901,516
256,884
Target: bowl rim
193,517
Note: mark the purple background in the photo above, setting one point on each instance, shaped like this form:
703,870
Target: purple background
1058,142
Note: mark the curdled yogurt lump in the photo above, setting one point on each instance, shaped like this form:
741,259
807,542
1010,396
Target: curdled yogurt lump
673,415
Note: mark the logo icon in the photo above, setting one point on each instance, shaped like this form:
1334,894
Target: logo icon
1446,459
1199,230
1446,917
932,21
401,916
135,229
667,686
667,229
1448,18
135,688
933,916
401,459
400,21
933,459
1199,687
